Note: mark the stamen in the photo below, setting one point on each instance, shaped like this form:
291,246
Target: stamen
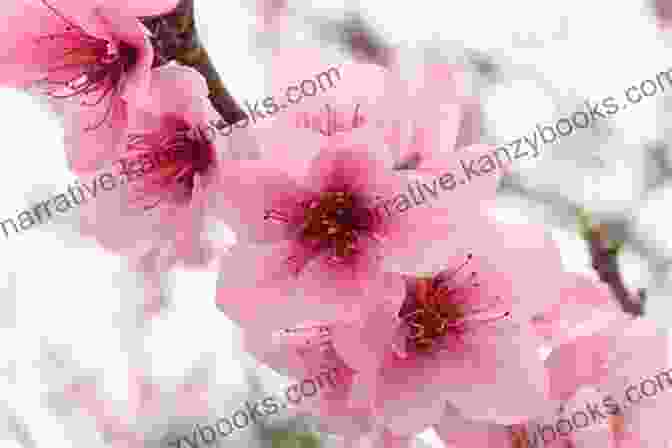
443,277
354,118
61,16
275,215
328,132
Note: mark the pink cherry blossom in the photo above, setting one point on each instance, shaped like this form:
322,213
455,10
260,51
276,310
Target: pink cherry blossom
95,52
426,114
312,239
457,431
586,307
159,206
615,363
462,336
316,244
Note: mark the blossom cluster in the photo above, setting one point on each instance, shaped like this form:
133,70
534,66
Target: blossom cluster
438,316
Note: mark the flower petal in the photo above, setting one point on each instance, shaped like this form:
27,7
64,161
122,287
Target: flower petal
586,307
247,190
144,8
454,429
518,387
257,289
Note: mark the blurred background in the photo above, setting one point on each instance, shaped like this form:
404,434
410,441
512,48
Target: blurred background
71,314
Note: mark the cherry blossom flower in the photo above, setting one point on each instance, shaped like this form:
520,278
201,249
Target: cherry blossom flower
162,176
462,336
315,231
423,114
628,366
95,52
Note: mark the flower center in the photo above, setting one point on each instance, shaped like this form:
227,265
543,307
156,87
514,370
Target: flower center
431,315
335,221
439,308
170,158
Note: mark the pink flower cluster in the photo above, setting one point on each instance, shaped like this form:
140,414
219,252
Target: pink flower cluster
438,315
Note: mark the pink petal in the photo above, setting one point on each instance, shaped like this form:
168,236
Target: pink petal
364,343
186,86
247,190
292,148
334,82
22,59
437,108
354,166
580,363
535,278
627,363
352,286
387,439
189,244
454,429
112,219
88,148
647,423
518,384
476,171
422,240
586,307
128,29
257,289
147,8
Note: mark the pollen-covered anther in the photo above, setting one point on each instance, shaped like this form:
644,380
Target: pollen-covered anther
519,437
440,306
333,222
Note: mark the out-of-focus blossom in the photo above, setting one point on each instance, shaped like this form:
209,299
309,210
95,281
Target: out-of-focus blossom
270,14
629,367
420,116
95,52
125,426
586,306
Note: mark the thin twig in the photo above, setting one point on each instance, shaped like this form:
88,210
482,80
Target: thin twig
604,256
175,38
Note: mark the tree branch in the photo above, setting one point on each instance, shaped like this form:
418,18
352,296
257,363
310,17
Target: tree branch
175,38
604,256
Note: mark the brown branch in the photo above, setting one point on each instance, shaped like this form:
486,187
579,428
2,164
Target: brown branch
605,262
175,38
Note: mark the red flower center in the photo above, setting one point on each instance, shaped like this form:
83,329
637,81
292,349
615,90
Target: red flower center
438,307
335,221
174,156
431,315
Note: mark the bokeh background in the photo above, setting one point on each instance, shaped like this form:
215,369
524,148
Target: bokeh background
72,313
